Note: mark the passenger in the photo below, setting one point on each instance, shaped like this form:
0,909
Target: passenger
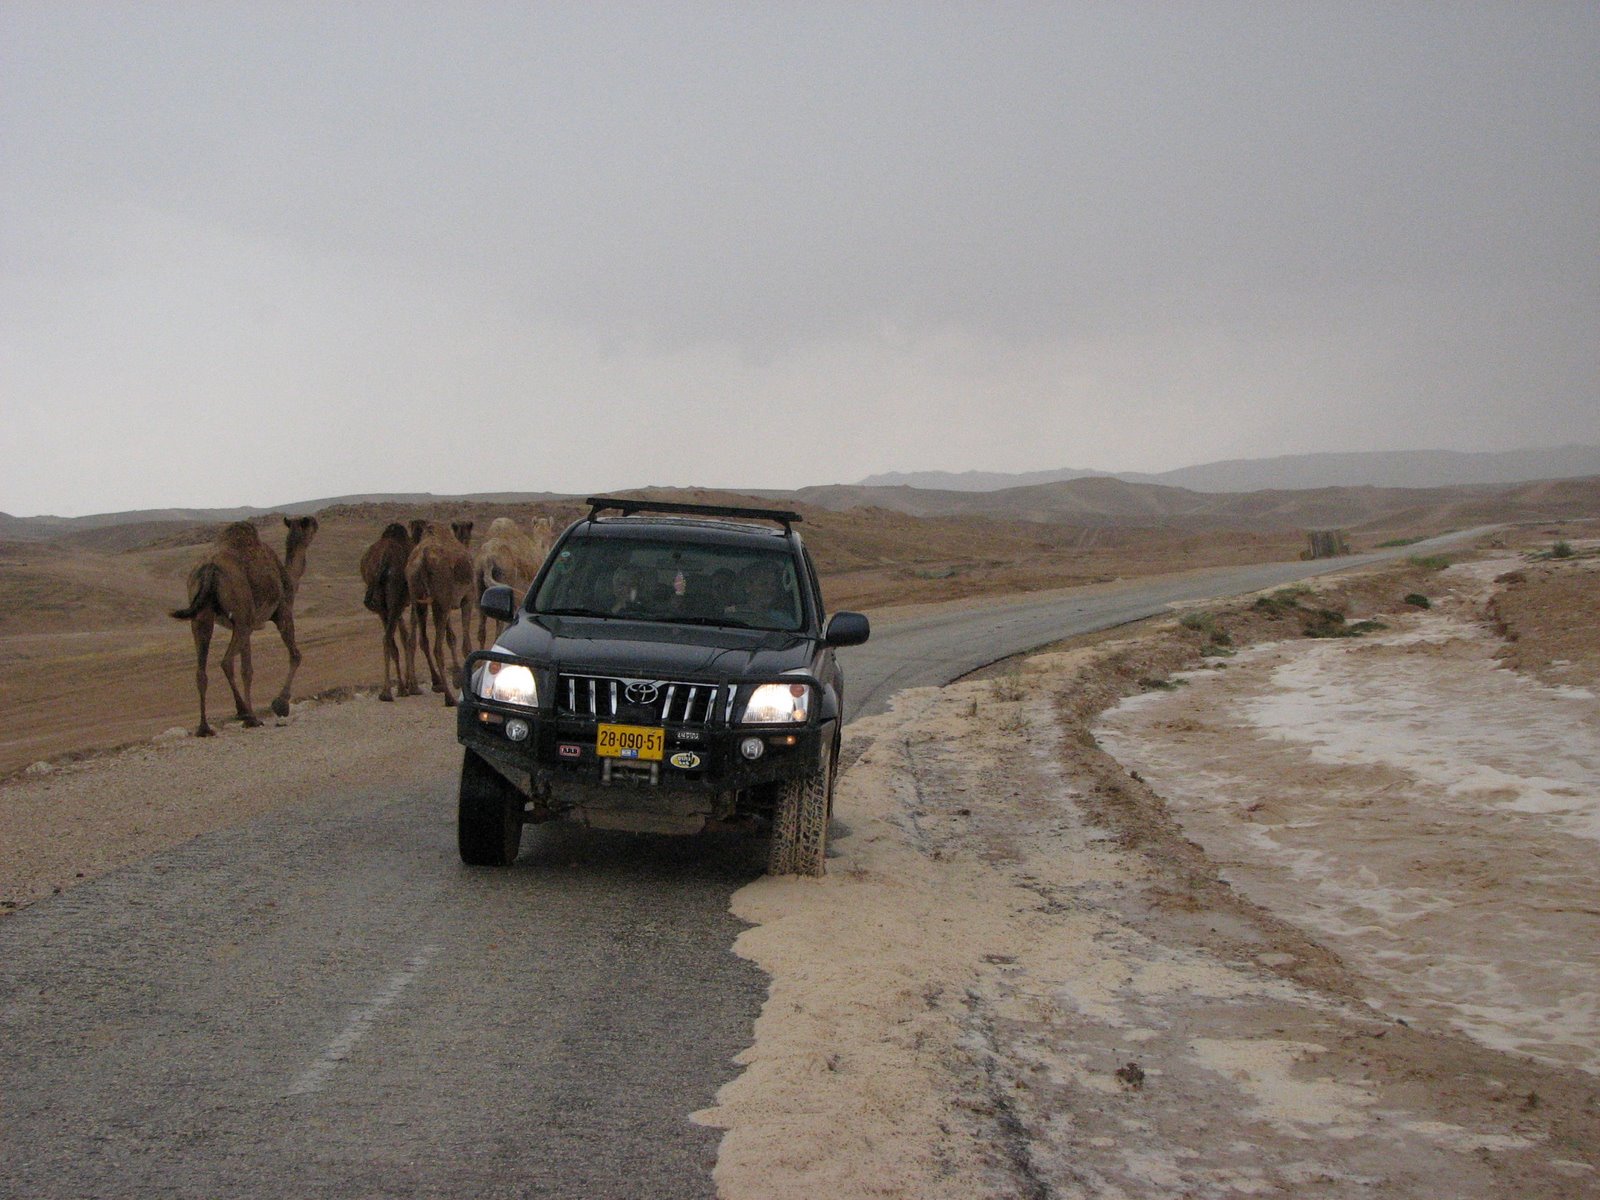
765,596
725,592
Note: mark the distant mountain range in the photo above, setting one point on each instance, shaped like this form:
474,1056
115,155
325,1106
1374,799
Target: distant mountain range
1388,468
1440,489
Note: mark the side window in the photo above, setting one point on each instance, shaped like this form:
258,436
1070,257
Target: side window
814,587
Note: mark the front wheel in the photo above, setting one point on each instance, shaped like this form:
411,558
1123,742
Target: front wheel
489,822
800,823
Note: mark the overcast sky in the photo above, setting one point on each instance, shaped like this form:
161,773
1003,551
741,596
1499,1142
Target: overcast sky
263,252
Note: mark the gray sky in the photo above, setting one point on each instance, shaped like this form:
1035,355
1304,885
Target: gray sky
254,253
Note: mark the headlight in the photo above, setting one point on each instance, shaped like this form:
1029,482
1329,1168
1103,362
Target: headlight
778,704
506,682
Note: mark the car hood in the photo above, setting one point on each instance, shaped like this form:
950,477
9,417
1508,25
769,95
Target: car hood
648,650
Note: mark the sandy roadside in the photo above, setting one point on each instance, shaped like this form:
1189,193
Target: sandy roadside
1021,977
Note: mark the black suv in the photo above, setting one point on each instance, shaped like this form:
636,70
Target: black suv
669,669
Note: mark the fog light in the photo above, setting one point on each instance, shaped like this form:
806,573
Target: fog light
517,729
752,748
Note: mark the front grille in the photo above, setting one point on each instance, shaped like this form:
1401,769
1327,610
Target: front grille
672,701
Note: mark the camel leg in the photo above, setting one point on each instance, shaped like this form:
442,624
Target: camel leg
284,620
466,638
428,652
444,633
408,683
391,653
201,627
239,648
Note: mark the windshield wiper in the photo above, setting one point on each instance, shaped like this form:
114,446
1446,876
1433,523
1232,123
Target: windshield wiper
570,612
727,622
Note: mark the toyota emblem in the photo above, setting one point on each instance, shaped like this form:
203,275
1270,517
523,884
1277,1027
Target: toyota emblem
642,692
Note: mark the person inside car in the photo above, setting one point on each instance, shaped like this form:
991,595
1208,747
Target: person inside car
766,602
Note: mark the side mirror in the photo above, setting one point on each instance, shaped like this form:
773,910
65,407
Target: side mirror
499,602
847,629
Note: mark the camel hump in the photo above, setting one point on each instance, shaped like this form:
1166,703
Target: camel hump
202,592
241,535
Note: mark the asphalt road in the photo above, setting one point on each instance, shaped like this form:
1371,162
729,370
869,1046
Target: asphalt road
326,1003
931,650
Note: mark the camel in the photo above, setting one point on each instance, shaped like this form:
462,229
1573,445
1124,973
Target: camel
439,576
242,586
383,570
508,556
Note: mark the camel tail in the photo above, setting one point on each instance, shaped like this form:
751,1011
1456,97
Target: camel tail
375,590
202,593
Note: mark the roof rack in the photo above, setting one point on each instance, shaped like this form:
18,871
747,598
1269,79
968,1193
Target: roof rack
600,504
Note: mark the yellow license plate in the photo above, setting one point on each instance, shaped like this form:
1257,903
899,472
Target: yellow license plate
630,741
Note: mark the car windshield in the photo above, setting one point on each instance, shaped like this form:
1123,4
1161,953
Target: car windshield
673,581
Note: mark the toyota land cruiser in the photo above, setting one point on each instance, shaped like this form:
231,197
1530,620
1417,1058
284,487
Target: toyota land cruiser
670,668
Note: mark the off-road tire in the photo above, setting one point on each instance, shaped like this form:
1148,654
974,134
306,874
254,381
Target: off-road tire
800,823
489,822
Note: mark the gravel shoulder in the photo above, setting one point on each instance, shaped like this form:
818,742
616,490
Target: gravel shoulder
1031,973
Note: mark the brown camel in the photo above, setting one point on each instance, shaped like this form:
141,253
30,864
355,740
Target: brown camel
439,576
508,556
242,586
383,570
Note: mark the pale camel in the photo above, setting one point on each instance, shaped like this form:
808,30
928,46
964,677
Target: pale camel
242,586
383,570
511,557
439,576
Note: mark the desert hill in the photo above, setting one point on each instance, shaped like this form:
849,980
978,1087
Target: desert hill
1294,472
1102,502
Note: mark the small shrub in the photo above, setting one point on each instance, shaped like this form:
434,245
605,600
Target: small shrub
1430,562
1008,687
1206,625
1322,623
1562,549
1162,685
1410,541
1216,651
1015,721
1418,600
1273,606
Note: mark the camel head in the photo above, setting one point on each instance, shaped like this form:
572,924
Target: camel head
302,529
463,531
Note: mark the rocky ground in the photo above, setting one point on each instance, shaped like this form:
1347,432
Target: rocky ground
1035,970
